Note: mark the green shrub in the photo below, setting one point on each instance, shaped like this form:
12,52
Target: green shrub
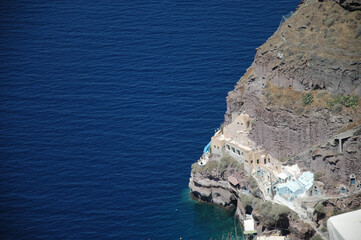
210,166
330,22
321,93
248,200
336,108
349,101
317,176
293,215
358,32
319,208
323,229
274,211
253,121
307,99
336,211
344,100
195,167
226,161
221,166
332,40
252,182
316,237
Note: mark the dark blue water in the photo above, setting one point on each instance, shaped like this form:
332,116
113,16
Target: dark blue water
106,104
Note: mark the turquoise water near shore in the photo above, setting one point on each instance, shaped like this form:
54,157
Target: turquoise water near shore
106,104
211,221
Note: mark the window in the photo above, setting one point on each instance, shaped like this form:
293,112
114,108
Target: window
239,153
215,146
257,161
251,161
228,147
233,150
264,160
247,161
269,160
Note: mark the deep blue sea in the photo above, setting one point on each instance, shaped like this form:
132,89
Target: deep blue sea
106,104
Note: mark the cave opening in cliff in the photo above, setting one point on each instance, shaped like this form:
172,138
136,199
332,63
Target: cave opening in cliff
248,209
318,87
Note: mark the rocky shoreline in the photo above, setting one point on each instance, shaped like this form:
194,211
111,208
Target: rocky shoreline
213,187
205,188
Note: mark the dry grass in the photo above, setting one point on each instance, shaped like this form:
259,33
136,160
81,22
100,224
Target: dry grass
282,97
290,99
350,125
248,75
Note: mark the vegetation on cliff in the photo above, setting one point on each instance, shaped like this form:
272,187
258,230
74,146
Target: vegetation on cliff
218,166
306,103
270,214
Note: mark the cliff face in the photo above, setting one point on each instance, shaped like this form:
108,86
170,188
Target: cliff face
303,94
208,189
211,185
316,50
335,167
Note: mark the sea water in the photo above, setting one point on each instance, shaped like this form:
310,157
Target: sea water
106,104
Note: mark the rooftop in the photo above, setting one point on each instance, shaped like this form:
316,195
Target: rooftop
248,225
282,176
306,179
233,180
293,185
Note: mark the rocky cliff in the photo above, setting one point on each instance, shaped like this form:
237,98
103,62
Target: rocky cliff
316,51
303,92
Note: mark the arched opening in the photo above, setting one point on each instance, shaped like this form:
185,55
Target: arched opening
353,181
